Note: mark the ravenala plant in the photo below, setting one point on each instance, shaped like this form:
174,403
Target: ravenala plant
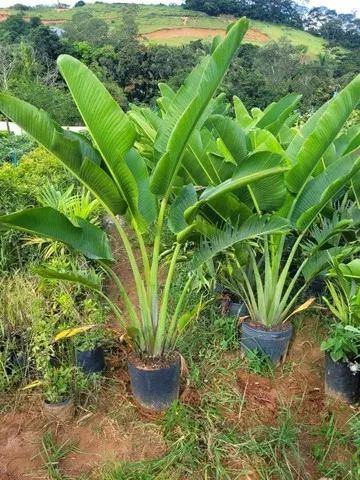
314,163
343,301
114,167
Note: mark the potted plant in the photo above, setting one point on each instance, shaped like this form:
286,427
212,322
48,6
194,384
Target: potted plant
342,346
89,343
270,296
145,167
89,352
57,386
282,211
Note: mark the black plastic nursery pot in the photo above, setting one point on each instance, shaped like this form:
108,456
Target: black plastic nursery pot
273,343
92,361
340,381
238,309
60,412
155,383
317,287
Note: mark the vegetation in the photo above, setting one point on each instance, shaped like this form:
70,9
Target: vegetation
344,304
239,182
107,40
343,29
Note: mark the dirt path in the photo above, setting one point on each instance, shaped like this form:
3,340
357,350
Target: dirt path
185,20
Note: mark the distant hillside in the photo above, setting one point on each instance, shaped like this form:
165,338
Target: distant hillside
174,25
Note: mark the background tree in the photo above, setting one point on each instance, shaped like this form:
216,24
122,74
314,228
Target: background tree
84,26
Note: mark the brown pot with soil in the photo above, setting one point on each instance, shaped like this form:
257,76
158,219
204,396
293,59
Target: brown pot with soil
155,382
61,412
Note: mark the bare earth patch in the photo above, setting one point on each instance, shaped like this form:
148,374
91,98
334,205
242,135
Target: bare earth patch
116,431
253,35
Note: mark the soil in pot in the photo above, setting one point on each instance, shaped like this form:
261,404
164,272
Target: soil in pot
340,381
92,361
155,383
271,342
60,412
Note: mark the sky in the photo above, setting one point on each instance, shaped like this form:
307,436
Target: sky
344,6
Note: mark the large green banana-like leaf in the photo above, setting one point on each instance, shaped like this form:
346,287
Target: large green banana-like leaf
277,113
47,222
307,148
201,162
87,279
322,188
348,141
351,269
264,141
186,197
231,135
212,72
243,117
73,150
355,185
147,200
253,169
110,128
321,259
253,227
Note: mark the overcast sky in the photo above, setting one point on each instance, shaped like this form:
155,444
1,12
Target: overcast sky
339,5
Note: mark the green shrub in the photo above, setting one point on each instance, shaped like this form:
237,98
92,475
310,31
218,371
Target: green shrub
20,185
13,147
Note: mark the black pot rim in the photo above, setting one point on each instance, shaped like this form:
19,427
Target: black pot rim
59,404
344,361
90,351
135,355
259,326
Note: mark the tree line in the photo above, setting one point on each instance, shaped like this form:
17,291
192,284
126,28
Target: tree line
341,29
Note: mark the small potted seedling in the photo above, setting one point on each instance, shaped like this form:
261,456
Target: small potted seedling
342,346
57,385
88,341
89,352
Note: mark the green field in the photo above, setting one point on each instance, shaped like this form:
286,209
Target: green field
152,18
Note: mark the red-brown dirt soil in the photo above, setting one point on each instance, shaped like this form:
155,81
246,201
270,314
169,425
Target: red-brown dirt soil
253,35
117,431
4,16
300,391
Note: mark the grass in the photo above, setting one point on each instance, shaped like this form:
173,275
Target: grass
151,18
52,454
216,434
210,439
